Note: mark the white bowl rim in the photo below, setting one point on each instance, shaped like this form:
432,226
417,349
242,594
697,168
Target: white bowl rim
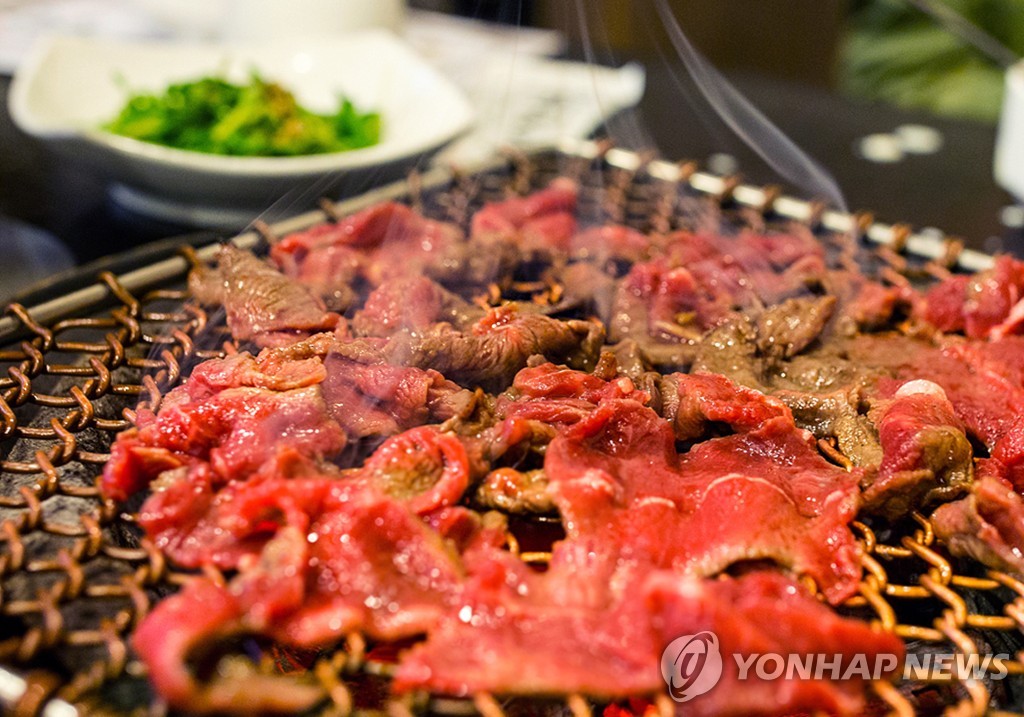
462,115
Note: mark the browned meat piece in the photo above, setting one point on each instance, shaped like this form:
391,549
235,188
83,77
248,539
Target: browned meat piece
835,415
497,347
261,304
785,330
746,347
516,492
731,350
926,455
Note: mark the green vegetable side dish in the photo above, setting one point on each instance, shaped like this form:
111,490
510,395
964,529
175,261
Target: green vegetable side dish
260,119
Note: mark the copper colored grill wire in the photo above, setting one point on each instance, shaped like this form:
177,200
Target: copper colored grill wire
79,596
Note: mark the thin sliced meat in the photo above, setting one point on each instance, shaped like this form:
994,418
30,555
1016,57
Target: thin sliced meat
366,563
379,399
571,629
261,303
927,457
690,402
543,221
610,243
204,613
235,430
197,521
411,303
666,302
424,467
560,396
989,304
766,613
496,348
987,525
943,304
387,240
765,494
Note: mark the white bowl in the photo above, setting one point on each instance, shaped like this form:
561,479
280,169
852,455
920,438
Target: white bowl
1009,163
70,86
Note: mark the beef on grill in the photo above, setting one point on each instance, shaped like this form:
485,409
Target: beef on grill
764,494
383,241
987,525
235,430
492,351
987,305
412,303
691,402
378,399
766,613
575,628
261,304
927,457
363,562
542,222
663,481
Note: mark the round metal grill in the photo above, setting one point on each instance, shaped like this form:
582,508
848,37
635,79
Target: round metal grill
76,575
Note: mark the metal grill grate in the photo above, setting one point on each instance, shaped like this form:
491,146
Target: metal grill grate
75,576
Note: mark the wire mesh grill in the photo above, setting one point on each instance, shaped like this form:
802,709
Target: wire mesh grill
76,576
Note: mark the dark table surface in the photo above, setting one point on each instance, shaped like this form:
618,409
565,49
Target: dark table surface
952,189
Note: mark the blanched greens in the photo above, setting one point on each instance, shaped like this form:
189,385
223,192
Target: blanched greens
261,118
898,54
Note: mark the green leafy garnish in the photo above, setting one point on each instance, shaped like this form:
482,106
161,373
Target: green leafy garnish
898,54
261,118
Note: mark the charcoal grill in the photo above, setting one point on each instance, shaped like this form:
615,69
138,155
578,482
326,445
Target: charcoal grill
75,579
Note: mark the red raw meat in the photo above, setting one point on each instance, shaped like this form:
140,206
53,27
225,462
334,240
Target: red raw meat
567,630
765,494
766,613
380,399
411,303
542,220
365,563
691,401
424,467
559,396
943,304
385,240
987,525
985,305
235,430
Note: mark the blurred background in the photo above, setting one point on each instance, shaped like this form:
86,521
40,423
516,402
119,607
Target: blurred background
899,100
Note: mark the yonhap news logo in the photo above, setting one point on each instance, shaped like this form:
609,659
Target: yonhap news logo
693,664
